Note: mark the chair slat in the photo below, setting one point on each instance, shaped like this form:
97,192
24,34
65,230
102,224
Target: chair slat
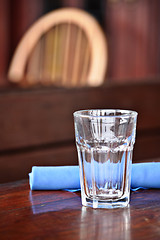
66,54
75,75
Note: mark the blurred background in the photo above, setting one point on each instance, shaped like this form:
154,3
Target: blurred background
36,124
131,28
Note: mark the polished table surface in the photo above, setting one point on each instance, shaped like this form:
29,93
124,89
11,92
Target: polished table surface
26,214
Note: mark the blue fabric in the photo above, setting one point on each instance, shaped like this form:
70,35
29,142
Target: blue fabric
144,175
54,178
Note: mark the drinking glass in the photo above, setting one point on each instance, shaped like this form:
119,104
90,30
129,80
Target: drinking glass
105,139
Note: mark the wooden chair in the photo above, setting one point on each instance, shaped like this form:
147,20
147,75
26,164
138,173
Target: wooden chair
66,47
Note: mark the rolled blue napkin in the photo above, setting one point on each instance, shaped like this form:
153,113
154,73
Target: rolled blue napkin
54,178
144,175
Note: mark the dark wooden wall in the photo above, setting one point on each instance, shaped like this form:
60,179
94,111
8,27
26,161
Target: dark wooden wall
37,124
133,31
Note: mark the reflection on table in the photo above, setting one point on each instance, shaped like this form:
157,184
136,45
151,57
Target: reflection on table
26,214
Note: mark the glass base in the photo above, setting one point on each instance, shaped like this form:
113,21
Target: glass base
108,204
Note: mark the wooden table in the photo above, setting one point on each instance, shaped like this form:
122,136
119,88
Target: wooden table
26,214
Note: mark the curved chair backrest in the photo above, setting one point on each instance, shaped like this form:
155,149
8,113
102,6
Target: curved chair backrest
66,47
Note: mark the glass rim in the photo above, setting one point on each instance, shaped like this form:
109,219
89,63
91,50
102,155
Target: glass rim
125,113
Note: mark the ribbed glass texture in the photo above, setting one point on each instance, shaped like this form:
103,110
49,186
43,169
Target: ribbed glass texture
105,140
